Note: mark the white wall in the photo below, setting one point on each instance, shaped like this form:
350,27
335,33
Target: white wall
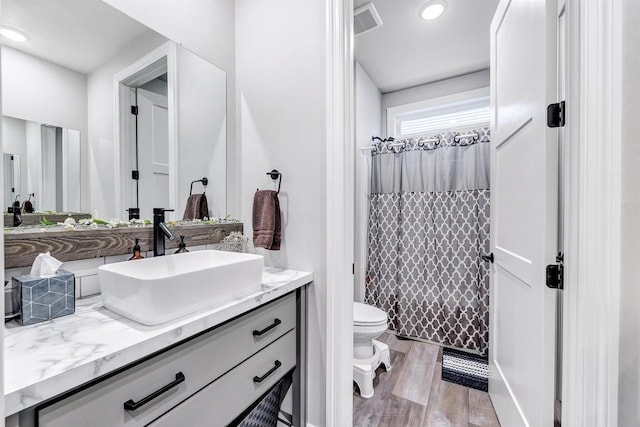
629,354
40,91
101,123
368,111
206,28
281,81
437,89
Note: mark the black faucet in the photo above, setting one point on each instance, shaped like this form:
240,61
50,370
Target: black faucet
160,230
16,211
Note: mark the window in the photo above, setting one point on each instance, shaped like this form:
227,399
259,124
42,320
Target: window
460,112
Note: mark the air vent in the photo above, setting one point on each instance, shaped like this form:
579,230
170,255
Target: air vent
365,19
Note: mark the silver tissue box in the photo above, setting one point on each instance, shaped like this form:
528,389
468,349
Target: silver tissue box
37,299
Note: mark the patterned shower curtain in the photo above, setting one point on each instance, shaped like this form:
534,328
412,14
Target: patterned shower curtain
428,227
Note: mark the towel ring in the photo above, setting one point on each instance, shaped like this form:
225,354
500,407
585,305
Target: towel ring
204,182
274,174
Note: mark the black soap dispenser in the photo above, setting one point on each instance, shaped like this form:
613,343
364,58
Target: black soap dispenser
136,252
182,246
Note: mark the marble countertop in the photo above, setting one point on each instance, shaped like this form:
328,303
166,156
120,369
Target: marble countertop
49,358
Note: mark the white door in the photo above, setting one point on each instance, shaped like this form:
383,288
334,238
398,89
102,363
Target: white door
153,152
524,213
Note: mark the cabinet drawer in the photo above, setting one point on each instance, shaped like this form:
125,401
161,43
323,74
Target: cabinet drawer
200,360
222,401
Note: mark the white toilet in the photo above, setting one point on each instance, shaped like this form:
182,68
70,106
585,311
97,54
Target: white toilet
368,323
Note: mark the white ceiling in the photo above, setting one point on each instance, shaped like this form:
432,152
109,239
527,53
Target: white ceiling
408,51
77,34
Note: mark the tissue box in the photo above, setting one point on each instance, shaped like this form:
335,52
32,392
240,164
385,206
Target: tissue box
37,299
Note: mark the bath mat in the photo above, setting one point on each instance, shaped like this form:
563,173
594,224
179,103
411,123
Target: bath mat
467,369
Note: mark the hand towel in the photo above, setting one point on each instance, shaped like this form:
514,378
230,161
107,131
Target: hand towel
266,220
197,207
27,206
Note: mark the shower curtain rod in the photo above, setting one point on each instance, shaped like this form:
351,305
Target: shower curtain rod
398,144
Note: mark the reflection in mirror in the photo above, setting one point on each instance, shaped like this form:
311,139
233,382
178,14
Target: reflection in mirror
171,140
43,164
66,78
12,186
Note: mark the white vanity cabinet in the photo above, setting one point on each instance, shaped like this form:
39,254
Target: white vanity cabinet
208,380
223,400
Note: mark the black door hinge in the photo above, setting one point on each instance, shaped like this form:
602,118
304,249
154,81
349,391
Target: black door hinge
134,110
353,268
555,273
488,258
556,115
135,175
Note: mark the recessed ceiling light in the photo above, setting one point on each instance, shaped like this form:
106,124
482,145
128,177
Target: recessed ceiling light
433,9
13,34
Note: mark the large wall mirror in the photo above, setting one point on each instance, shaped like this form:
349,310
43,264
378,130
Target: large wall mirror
74,90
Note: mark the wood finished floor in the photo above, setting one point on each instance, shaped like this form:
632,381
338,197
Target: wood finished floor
413,395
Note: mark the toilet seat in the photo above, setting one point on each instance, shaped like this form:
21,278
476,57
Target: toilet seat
367,315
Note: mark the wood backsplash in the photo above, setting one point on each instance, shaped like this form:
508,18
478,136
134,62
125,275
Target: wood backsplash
22,247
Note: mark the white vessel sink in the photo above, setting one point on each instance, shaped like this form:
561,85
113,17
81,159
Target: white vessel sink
156,290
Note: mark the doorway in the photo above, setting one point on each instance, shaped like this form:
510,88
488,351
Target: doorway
594,40
423,94
152,146
146,137
390,127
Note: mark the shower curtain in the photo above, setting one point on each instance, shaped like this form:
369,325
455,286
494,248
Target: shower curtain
428,227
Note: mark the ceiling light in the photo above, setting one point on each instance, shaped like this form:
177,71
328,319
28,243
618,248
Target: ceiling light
433,9
13,34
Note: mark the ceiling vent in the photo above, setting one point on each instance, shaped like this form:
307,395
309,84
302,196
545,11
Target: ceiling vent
366,18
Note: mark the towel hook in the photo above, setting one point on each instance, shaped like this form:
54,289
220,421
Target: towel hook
274,174
204,182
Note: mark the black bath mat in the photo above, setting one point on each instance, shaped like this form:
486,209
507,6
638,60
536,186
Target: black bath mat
466,369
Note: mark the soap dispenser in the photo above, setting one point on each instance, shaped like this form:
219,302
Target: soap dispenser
182,246
136,252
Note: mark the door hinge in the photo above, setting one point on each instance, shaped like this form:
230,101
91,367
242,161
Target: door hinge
134,110
353,268
555,273
556,115
135,175
488,258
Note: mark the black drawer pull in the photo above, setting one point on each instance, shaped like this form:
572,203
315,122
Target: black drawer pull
257,333
130,405
258,379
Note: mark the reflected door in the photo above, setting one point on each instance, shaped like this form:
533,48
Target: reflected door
153,152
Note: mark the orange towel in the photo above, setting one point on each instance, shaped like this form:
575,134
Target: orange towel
266,220
197,207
